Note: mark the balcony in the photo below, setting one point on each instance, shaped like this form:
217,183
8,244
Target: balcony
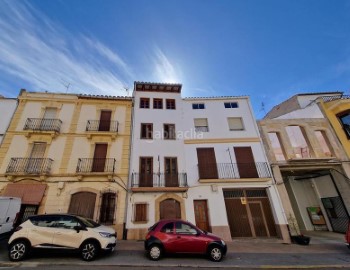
234,170
96,165
42,124
336,97
159,182
33,166
100,125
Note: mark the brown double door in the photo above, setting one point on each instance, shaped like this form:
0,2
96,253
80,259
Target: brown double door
201,214
146,172
105,121
249,213
99,160
245,162
171,174
207,163
170,209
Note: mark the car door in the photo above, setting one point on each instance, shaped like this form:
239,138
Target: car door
65,235
43,230
167,236
188,239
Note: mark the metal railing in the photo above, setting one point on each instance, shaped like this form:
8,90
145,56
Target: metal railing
331,98
43,124
101,125
30,165
159,180
234,170
89,165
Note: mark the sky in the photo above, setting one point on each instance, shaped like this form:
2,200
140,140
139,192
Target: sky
268,50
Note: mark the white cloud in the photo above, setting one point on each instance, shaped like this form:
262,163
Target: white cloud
44,54
164,71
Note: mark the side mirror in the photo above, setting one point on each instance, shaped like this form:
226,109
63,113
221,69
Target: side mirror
78,228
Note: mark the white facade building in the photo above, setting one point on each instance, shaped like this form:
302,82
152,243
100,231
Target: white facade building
231,191
7,109
201,160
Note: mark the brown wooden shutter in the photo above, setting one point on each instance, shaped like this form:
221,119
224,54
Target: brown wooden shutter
141,212
83,204
207,163
98,164
146,172
105,121
245,162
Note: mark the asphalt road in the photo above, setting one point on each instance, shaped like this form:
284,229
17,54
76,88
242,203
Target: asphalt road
330,254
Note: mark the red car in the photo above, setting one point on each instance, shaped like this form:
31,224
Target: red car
178,236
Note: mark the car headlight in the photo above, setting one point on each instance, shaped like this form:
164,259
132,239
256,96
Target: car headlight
105,234
223,242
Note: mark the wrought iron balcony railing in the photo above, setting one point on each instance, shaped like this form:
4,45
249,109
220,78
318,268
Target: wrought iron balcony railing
100,125
38,166
234,170
201,129
91,165
159,180
43,124
331,98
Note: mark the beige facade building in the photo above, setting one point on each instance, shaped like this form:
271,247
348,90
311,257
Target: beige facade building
309,164
67,153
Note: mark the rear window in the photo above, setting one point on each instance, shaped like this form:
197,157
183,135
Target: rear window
44,221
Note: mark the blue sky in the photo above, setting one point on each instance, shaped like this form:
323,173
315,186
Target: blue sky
269,50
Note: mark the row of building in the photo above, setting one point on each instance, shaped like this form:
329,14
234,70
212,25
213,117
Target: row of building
130,161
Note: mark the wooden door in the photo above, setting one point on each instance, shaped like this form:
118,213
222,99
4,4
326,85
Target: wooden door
201,214
105,121
35,161
47,123
245,162
207,163
146,172
171,174
99,160
83,204
170,209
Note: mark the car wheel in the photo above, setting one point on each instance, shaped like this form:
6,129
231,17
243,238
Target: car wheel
18,250
155,252
89,251
215,253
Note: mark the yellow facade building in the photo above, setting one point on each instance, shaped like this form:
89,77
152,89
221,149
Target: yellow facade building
68,153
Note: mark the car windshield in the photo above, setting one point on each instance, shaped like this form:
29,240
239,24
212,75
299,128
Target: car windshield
89,222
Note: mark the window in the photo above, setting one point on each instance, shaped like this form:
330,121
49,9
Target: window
170,104
140,212
276,146
169,132
157,103
146,131
66,222
298,142
168,228
201,125
235,123
144,103
107,208
197,106
345,121
324,143
231,105
183,228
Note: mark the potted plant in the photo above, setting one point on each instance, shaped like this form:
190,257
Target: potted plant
294,232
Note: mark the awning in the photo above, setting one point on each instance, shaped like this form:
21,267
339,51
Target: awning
29,193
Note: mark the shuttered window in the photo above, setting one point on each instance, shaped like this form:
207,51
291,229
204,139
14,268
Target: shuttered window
107,208
235,123
140,212
146,131
201,124
169,132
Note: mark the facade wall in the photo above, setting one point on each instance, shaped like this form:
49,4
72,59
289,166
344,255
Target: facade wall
66,147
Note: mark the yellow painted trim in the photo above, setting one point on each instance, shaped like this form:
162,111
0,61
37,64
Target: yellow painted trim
169,196
230,140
